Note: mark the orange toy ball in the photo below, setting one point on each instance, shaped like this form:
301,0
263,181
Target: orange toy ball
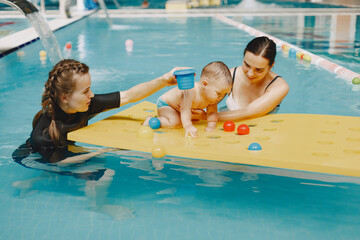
229,126
243,129
68,45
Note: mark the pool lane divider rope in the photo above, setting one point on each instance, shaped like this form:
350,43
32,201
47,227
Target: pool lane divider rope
342,72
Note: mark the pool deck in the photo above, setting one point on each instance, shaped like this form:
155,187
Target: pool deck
24,37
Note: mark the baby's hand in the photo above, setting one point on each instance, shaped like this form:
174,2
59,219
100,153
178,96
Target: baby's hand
191,131
210,128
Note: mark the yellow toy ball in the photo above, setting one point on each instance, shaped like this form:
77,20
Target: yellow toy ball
285,47
158,151
299,55
307,58
145,132
42,53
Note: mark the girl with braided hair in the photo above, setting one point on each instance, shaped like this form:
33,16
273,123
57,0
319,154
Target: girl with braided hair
68,103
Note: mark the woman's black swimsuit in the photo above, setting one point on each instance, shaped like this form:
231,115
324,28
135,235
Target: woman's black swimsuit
40,140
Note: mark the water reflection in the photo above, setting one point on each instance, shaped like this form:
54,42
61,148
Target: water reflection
212,173
96,175
342,34
188,193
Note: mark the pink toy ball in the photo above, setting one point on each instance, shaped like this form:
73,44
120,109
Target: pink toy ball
129,45
129,42
68,45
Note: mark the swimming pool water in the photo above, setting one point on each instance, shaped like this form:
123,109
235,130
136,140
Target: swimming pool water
171,198
314,34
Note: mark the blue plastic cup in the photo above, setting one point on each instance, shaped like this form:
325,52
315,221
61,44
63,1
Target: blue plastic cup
185,78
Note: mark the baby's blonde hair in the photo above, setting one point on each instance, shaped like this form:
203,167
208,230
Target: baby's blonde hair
216,71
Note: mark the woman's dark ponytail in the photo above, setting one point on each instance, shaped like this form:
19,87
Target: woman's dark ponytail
262,46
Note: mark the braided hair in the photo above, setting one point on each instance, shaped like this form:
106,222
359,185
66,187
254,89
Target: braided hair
61,81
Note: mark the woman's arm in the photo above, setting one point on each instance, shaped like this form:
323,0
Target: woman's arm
145,89
260,106
83,157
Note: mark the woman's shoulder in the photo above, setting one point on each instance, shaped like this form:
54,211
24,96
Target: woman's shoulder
234,70
276,78
277,82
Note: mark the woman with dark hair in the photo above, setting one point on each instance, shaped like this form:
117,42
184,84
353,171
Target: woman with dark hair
256,89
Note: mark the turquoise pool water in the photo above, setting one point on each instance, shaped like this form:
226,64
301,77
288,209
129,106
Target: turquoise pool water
316,34
144,198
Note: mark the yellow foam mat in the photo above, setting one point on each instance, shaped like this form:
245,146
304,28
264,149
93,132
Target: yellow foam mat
307,142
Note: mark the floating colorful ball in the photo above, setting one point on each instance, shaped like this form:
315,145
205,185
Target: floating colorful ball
243,129
154,123
307,57
356,80
299,55
292,53
129,45
42,53
68,45
20,53
254,147
229,126
285,47
158,151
